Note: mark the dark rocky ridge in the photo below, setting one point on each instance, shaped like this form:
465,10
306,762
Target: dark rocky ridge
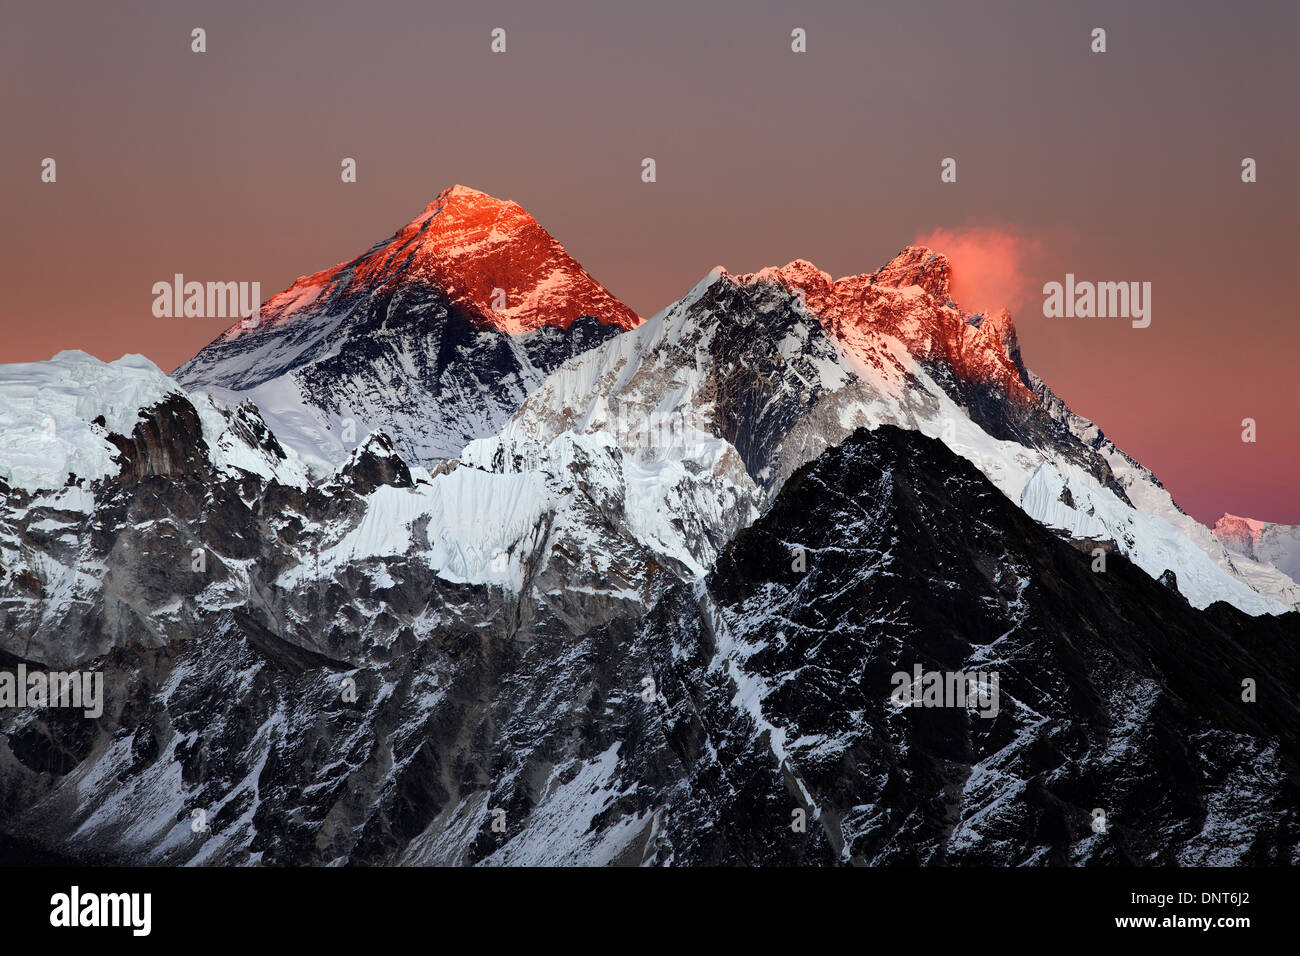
1115,694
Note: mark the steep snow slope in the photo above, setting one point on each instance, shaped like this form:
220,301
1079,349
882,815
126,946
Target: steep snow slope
1265,542
102,465
783,363
1154,544
435,335
413,338
579,528
56,416
1273,578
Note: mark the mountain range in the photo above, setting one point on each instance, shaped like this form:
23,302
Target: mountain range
450,557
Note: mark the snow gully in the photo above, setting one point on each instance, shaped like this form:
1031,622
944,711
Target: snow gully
946,689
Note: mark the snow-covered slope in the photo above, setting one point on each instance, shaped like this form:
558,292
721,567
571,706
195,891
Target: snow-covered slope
102,467
578,529
435,335
1264,542
439,334
1273,579
368,665
783,363
56,418
1077,506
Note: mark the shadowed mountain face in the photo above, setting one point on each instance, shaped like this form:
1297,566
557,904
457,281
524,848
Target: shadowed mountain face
696,732
1115,695
436,334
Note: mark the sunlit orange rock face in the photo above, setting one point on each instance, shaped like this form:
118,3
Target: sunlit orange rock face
1240,533
470,245
908,300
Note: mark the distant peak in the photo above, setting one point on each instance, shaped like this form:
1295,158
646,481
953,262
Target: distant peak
907,299
460,190
462,197
1253,522
917,266
1238,528
462,210
487,255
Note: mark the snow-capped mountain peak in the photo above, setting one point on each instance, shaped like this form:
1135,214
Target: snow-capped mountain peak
1265,542
1241,533
916,266
435,334
782,363
907,301
67,421
488,255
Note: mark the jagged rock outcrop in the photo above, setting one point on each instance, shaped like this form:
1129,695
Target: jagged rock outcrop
693,733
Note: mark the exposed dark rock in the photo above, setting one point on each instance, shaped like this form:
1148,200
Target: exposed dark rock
694,733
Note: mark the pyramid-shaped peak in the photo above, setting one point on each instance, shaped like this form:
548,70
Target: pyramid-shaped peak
919,266
463,208
461,190
802,273
488,257
459,196
1235,527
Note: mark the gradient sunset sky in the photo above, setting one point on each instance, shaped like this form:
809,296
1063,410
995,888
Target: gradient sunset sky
1123,166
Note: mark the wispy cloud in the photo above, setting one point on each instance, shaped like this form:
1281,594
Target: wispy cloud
989,265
